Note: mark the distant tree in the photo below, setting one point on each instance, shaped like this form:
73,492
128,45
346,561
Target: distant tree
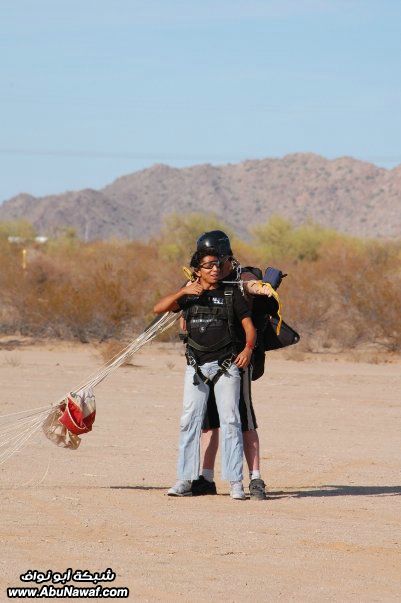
274,239
17,228
278,238
309,239
180,232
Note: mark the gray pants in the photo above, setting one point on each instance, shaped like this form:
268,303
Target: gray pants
227,392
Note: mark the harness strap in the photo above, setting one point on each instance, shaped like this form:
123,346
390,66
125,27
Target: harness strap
201,310
212,348
228,296
224,367
224,364
229,299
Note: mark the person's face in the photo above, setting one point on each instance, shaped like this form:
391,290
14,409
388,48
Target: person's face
209,270
226,268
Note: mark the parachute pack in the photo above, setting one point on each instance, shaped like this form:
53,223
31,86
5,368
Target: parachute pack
272,332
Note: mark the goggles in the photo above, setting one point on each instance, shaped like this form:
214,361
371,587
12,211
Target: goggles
212,264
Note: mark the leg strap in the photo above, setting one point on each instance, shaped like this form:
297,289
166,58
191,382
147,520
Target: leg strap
199,376
224,365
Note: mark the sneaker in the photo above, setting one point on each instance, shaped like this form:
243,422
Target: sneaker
181,488
257,489
237,491
202,486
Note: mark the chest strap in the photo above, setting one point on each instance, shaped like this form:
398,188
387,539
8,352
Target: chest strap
211,348
197,310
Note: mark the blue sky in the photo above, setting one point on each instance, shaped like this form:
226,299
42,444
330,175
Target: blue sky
94,89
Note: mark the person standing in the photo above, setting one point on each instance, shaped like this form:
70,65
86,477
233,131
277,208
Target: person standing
221,338
204,484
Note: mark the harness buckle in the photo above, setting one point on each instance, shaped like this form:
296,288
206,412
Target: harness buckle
191,360
225,365
199,377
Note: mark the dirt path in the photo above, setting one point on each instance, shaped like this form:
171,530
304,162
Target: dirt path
330,434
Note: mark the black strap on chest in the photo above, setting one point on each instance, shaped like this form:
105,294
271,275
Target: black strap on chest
211,348
229,299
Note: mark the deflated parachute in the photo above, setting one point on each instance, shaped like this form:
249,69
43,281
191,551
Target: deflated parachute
71,418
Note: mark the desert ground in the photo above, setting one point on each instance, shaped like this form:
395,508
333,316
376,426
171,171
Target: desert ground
330,440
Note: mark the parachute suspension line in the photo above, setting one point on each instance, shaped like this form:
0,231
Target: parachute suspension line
20,440
16,436
159,326
17,428
17,425
30,411
42,479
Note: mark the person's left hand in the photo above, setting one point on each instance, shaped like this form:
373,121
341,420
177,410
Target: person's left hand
243,359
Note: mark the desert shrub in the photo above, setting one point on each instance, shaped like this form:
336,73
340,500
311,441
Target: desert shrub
371,293
341,293
350,297
87,290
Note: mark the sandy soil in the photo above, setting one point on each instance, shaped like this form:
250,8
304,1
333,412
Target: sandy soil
330,436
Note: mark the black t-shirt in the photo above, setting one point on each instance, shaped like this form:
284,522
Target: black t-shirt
208,330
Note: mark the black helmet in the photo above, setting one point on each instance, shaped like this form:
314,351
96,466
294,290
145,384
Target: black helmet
215,239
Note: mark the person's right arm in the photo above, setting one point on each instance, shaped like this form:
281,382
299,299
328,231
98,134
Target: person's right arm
169,303
255,287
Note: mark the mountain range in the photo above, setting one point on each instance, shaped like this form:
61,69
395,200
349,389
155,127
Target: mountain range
349,195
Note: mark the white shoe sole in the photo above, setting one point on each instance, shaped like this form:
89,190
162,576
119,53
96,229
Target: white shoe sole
173,493
238,497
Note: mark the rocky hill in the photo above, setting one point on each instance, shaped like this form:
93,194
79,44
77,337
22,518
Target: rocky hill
350,195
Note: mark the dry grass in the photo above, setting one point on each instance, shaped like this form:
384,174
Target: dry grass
341,294
109,350
12,360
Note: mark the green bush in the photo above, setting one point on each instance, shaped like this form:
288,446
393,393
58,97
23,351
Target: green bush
279,239
17,228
